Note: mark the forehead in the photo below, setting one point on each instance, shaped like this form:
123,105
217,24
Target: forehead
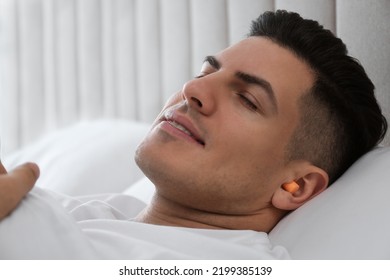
262,57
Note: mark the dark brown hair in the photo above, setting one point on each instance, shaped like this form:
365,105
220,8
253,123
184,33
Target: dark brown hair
340,117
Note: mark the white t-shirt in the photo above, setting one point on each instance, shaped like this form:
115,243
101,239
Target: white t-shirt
52,226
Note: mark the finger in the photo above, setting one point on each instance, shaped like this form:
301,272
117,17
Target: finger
23,178
2,169
15,185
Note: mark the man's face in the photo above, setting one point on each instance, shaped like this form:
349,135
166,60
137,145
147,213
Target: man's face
219,144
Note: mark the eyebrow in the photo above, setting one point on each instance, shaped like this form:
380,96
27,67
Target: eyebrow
264,84
212,60
248,79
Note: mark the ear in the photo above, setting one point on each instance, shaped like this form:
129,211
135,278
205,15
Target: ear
312,181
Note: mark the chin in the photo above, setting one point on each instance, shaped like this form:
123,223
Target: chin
140,157
150,160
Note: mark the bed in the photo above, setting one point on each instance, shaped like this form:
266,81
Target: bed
76,98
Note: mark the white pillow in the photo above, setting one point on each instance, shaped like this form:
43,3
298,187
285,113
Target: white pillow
86,158
350,220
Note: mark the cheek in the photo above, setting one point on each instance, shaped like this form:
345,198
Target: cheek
252,141
251,152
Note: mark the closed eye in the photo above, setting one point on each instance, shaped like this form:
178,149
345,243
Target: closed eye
201,75
247,102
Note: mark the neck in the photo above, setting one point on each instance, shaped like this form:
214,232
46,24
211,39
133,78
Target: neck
162,211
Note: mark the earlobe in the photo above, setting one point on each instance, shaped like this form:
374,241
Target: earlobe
292,195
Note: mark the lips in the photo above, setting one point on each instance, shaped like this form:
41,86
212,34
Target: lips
184,125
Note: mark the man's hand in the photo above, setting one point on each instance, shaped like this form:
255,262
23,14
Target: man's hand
15,185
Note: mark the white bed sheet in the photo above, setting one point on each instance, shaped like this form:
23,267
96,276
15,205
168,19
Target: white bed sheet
52,226
41,229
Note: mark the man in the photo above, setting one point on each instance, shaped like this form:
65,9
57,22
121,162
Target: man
270,110
284,107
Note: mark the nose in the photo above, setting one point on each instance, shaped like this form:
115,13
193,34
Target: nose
201,94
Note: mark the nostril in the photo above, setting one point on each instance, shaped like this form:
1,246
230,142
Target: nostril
197,101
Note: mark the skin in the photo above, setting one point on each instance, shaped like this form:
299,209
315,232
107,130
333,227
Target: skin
15,185
243,109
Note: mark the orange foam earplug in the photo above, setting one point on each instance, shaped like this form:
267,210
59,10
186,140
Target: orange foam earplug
291,187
